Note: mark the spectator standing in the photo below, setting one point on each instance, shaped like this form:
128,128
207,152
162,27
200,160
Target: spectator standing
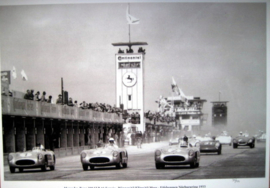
37,96
27,95
49,99
59,100
31,96
43,97
70,102
75,103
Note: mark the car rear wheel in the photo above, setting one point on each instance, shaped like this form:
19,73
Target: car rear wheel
234,145
11,169
219,151
252,145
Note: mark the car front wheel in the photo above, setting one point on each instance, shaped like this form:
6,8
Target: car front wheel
92,167
85,167
120,164
159,166
11,169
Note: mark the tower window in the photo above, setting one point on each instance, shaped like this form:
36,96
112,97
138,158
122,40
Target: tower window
129,97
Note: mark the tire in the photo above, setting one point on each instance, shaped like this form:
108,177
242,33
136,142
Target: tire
197,165
159,166
219,151
53,167
92,167
21,169
85,167
252,145
234,145
119,165
194,164
125,165
44,167
11,169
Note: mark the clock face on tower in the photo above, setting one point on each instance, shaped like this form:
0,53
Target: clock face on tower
129,79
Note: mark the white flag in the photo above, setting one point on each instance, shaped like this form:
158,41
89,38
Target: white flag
24,76
175,87
14,74
132,19
178,91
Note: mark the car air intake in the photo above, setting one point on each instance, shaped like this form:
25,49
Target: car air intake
99,160
174,158
25,162
241,142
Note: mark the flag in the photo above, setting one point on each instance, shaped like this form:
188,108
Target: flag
13,73
24,76
131,19
175,87
178,91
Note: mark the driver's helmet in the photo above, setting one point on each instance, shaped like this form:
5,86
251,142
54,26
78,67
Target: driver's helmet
240,133
111,140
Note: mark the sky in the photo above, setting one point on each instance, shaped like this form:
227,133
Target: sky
207,47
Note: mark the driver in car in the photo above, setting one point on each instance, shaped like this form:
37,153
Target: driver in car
112,144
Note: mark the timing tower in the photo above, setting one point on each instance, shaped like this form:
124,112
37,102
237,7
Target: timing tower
129,67
219,114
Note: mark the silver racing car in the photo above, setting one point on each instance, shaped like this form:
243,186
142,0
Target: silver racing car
182,154
104,156
35,158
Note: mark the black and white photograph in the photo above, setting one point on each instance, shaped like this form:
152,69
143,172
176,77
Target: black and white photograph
134,94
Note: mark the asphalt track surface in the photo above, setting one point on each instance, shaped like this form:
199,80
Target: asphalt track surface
242,162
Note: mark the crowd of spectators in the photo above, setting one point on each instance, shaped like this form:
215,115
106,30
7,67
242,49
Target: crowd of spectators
133,118
29,95
100,107
157,116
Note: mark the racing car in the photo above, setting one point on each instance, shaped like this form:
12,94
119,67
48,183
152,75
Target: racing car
210,146
262,138
182,154
108,155
35,158
225,139
244,140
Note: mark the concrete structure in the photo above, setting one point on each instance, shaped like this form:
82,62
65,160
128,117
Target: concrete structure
188,114
66,130
130,82
219,114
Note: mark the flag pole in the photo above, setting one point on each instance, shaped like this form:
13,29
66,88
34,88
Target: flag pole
129,24
62,90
